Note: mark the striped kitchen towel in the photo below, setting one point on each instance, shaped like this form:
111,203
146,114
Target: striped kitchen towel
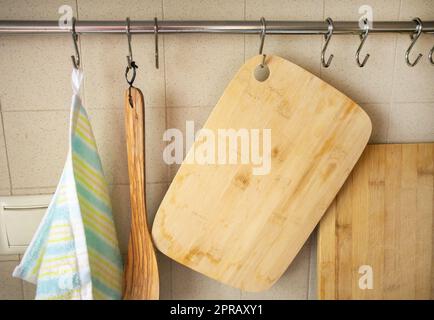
74,253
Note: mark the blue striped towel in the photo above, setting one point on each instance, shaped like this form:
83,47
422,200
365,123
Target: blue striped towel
74,253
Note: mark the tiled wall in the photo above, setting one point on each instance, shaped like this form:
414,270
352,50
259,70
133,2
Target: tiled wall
194,70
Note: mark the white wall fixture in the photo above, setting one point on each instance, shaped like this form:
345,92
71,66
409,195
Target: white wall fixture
19,219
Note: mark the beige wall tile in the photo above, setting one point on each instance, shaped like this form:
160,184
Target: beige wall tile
349,10
4,169
29,291
410,9
303,51
294,282
9,257
115,9
373,82
379,115
154,195
41,72
104,60
5,192
198,67
104,57
411,122
37,144
10,288
109,129
155,125
284,9
36,84
413,84
312,293
120,197
189,284
203,9
30,9
165,276
177,117
32,191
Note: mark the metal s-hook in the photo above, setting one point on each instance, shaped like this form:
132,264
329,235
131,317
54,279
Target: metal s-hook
75,59
263,32
327,38
130,64
414,36
157,64
363,36
430,55
262,71
130,52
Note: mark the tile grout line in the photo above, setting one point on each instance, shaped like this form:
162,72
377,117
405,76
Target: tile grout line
165,126
201,106
6,152
109,184
67,110
389,113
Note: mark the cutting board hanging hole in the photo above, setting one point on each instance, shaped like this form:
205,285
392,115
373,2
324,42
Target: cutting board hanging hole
262,72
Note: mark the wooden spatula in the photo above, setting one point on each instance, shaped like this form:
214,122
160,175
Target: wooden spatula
141,270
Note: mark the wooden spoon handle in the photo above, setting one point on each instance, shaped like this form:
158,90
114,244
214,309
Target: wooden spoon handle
141,270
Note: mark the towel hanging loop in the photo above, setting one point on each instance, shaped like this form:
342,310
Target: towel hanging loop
414,36
327,38
75,59
363,36
157,64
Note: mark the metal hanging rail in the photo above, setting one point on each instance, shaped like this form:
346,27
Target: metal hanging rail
231,27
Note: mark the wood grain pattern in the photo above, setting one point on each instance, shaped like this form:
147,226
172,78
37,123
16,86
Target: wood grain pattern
383,218
244,229
141,270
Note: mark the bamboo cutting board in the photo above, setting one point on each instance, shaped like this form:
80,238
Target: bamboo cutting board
378,232
244,229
